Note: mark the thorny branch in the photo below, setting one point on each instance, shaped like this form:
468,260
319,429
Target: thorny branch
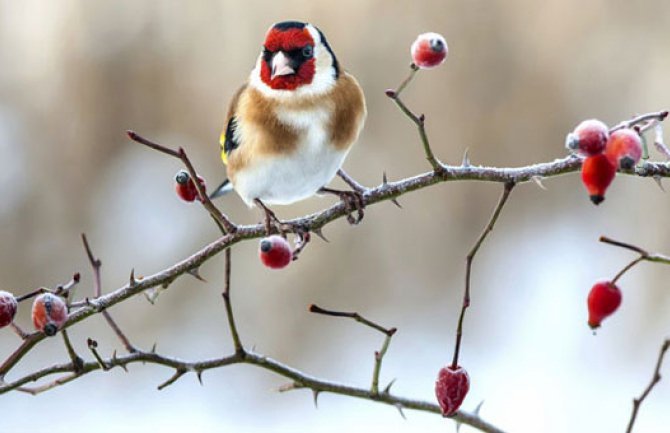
315,222
234,233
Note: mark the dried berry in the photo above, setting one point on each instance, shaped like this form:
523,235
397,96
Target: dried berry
604,299
451,387
588,138
624,148
8,306
429,50
597,175
275,252
185,187
49,313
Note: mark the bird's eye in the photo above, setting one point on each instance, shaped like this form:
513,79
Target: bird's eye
307,51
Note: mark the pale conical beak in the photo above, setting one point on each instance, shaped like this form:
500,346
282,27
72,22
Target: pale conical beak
281,65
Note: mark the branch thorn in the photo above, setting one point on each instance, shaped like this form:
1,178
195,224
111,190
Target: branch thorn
195,273
315,395
319,233
399,407
538,182
659,182
466,158
387,389
132,282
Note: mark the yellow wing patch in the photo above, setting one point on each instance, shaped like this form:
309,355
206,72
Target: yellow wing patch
222,142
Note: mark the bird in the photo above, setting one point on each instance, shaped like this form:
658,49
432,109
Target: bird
289,128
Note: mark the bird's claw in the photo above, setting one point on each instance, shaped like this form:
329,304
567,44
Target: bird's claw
353,201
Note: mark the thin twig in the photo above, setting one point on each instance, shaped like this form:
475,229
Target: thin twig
644,256
18,331
138,138
357,317
77,361
51,385
93,347
655,378
627,268
237,342
658,115
507,189
96,264
419,120
413,70
222,221
625,245
379,357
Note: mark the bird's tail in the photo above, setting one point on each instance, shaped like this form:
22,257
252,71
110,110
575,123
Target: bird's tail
222,189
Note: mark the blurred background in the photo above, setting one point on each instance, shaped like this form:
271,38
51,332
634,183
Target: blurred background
75,75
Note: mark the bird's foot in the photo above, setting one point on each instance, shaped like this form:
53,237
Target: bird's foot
353,201
274,225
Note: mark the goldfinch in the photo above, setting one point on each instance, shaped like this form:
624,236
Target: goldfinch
290,127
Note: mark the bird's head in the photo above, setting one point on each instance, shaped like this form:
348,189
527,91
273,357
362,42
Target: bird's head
295,59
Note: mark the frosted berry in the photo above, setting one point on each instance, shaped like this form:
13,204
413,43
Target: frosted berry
451,387
604,299
597,175
588,138
429,50
624,148
185,187
275,252
8,306
49,313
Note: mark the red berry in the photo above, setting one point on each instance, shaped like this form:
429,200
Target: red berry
275,252
624,148
597,174
185,187
49,313
589,137
8,306
429,50
604,299
451,387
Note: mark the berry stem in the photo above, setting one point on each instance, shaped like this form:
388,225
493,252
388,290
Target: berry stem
413,70
627,268
468,266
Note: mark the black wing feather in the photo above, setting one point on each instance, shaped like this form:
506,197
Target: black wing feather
230,143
